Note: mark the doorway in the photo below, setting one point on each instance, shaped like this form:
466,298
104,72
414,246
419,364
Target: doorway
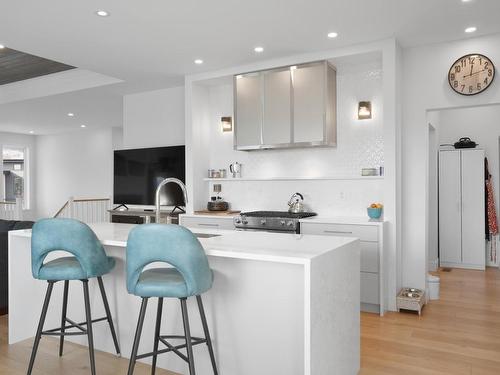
482,125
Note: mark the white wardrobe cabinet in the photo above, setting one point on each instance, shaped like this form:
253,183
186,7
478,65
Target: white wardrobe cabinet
461,209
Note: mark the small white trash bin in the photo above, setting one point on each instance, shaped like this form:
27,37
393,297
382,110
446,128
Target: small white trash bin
433,282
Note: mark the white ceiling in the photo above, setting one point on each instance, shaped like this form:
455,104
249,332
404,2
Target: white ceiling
94,108
152,44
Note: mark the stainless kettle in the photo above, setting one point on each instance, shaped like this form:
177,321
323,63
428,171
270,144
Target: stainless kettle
295,204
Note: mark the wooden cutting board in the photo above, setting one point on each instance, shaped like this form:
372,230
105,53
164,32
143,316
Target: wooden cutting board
217,213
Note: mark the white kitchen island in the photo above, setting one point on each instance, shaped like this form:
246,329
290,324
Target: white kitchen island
280,303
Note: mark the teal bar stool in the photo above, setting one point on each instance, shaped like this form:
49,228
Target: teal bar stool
190,276
88,261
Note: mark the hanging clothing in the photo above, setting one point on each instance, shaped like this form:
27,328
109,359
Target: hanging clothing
491,212
491,215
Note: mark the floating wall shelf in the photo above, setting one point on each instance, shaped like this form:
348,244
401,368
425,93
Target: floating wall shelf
296,178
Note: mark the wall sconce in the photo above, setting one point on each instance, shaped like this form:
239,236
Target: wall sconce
226,124
364,110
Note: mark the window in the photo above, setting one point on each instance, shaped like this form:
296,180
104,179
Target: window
15,174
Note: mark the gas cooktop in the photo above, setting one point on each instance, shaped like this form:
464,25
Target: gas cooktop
275,221
283,214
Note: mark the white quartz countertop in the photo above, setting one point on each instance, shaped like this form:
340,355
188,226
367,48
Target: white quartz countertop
343,220
227,217
262,246
321,219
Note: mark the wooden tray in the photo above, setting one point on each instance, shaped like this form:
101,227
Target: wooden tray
217,213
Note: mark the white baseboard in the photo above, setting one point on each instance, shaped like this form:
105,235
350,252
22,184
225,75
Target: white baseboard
463,266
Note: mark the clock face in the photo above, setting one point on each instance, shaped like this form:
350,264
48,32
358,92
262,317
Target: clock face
471,74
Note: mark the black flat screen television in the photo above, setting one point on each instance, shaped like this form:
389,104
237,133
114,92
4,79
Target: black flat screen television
138,172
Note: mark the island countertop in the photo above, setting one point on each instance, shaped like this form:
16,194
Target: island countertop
262,246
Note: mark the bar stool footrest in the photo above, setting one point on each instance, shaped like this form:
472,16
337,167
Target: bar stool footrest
83,331
173,348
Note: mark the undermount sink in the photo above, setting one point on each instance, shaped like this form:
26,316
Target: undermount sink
206,235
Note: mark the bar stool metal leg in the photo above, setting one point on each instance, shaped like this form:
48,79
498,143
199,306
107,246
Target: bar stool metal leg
63,317
89,325
187,334
108,314
157,334
137,337
207,333
40,326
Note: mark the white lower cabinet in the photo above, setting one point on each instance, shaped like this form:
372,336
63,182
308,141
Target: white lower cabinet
371,240
216,222
370,290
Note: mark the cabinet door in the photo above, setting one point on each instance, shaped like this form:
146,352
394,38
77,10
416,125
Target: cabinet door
207,222
277,107
473,218
370,288
450,222
309,103
248,109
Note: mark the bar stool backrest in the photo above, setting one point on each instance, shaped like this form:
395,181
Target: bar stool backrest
68,235
172,244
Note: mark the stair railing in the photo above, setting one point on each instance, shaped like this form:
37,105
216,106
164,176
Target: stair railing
87,210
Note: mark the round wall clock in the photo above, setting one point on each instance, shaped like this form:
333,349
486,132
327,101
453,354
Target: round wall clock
471,74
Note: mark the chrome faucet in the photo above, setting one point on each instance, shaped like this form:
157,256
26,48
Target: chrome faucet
158,190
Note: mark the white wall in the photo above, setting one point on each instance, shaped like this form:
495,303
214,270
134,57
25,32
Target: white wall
433,212
425,87
360,144
154,118
22,140
78,164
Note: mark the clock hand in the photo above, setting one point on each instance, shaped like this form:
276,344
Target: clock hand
473,74
471,69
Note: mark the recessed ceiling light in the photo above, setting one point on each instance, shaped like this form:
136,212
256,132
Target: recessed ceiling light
470,29
259,49
102,13
2,46
70,114
466,1
32,131
83,126
332,35
198,61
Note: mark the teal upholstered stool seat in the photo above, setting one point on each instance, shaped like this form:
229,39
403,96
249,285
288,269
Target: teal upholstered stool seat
88,260
161,282
69,268
186,274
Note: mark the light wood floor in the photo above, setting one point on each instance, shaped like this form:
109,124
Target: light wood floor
459,334
14,359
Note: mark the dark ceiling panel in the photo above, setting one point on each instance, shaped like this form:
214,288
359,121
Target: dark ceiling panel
18,66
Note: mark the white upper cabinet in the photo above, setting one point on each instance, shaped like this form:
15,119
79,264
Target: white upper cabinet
309,109
277,107
248,100
287,107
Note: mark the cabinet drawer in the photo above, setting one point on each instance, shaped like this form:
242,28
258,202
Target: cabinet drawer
363,232
369,257
369,288
207,222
